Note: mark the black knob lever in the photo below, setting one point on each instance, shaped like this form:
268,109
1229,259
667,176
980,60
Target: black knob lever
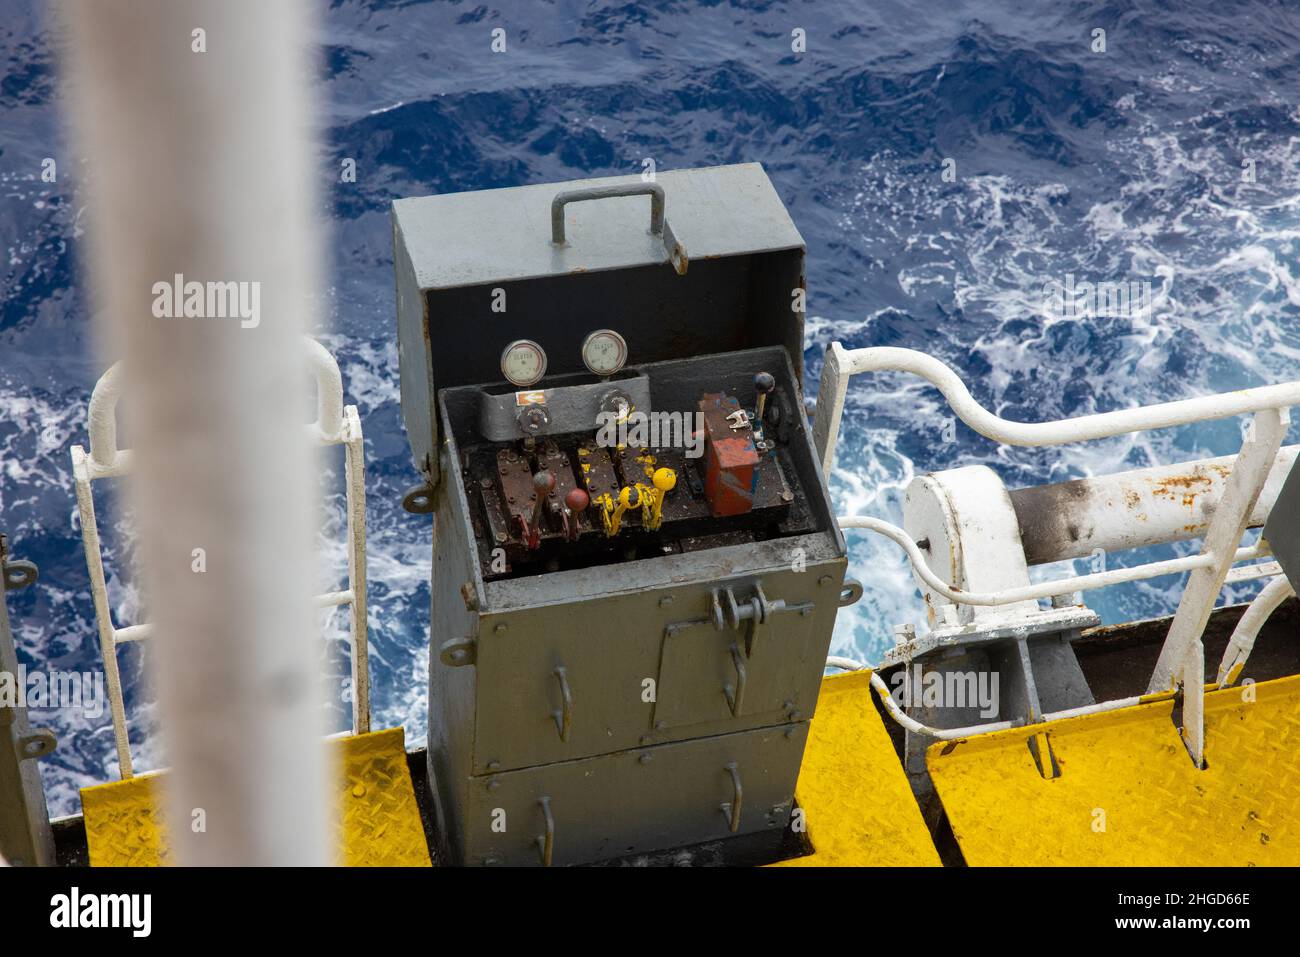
764,384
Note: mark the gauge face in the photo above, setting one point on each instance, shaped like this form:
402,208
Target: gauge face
604,352
523,362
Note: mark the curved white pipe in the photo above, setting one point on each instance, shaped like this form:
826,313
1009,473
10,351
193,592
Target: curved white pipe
954,734
1080,429
102,417
846,664
1252,620
1063,586
329,390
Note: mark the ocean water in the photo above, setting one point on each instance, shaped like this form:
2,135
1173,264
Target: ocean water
1172,158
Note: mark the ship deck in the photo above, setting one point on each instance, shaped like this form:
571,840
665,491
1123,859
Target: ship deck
857,803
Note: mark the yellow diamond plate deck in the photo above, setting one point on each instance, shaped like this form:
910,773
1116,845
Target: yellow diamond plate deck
379,818
1128,793
853,794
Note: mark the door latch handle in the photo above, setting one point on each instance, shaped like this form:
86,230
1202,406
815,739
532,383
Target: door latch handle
732,809
563,717
736,693
546,841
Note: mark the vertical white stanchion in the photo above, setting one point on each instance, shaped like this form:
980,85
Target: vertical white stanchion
193,118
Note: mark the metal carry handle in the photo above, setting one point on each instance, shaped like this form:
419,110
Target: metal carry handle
736,696
546,841
732,809
564,717
653,190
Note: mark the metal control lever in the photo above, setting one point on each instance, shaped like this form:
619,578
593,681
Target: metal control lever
764,385
575,504
543,486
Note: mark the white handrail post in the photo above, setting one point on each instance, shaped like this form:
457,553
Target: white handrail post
831,394
1263,439
354,466
99,597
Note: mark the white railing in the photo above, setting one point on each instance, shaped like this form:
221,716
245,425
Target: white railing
1182,658
334,425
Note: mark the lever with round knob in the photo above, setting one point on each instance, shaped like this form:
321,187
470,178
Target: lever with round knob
764,385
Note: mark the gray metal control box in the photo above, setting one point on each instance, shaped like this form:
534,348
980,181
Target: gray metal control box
599,693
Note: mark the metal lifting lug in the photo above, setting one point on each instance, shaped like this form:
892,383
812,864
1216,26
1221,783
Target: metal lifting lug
418,500
458,652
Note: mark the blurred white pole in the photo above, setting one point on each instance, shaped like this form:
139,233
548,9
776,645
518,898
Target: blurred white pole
200,164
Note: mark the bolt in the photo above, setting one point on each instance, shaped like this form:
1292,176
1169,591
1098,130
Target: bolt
644,759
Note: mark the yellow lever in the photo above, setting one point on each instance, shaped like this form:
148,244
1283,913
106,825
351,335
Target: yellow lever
665,480
645,497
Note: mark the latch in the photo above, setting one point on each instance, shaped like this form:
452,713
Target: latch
756,610
729,611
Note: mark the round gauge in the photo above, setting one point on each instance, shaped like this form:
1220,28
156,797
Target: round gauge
523,362
604,352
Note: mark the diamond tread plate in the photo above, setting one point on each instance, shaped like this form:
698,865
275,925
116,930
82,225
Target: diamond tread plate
379,816
856,801
1128,793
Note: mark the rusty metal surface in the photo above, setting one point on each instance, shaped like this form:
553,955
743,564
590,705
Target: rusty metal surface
1114,512
729,476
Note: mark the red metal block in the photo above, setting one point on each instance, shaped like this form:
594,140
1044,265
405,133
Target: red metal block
731,460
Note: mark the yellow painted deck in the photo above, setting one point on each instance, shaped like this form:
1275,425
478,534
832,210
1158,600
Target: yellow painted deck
852,792
379,819
1128,793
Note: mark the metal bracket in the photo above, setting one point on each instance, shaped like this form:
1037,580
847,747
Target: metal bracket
756,610
418,500
18,574
565,408
458,651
